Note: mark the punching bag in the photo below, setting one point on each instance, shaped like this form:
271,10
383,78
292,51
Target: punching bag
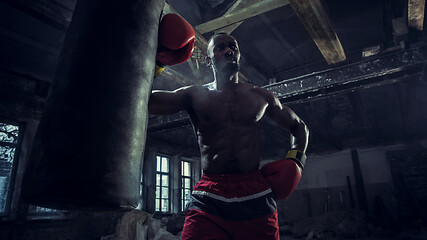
87,151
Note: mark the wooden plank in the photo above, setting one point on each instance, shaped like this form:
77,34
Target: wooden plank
238,16
416,14
316,22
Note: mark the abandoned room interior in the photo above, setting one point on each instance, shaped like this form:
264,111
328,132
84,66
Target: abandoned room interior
353,71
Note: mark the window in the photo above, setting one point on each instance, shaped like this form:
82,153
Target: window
162,203
8,146
186,183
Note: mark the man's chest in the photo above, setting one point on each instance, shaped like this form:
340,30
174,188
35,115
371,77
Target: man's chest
238,108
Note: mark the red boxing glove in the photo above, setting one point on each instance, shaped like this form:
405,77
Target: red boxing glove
284,175
176,41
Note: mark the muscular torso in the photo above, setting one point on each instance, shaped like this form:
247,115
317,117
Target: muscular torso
226,125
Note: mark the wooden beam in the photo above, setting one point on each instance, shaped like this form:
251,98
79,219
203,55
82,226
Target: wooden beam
416,13
229,29
238,16
50,12
238,5
316,22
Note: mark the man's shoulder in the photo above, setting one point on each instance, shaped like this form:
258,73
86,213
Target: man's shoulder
261,91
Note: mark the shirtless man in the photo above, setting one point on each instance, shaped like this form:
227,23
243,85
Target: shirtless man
234,198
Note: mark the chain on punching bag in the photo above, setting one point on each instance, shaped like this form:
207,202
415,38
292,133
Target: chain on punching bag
88,148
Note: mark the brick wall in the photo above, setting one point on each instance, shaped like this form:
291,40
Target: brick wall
409,174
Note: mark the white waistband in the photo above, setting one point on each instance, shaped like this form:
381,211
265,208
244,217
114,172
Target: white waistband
234,199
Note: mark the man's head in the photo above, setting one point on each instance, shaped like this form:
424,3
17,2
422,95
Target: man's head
223,53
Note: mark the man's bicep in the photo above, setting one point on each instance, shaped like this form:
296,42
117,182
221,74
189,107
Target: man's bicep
283,116
280,114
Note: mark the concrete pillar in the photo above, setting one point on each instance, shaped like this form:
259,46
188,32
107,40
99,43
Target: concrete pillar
360,185
175,186
149,180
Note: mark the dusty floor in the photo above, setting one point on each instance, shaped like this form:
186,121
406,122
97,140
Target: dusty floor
285,237
413,237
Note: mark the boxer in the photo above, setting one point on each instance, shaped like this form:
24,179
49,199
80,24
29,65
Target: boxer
234,198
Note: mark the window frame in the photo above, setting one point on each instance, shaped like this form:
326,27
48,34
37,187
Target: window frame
33,214
15,163
168,174
182,177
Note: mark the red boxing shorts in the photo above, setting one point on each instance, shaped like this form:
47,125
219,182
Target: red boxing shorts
235,206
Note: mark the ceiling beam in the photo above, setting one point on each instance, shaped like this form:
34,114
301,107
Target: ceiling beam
238,5
315,20
416,14
238,16
49,12
22,96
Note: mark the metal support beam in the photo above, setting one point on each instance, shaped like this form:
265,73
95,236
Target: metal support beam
393,67
167,122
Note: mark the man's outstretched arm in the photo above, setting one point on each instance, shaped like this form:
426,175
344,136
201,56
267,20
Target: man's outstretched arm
168,102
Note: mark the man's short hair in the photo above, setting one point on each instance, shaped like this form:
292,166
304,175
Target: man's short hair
212,37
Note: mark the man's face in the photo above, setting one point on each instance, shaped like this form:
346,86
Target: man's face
224,54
